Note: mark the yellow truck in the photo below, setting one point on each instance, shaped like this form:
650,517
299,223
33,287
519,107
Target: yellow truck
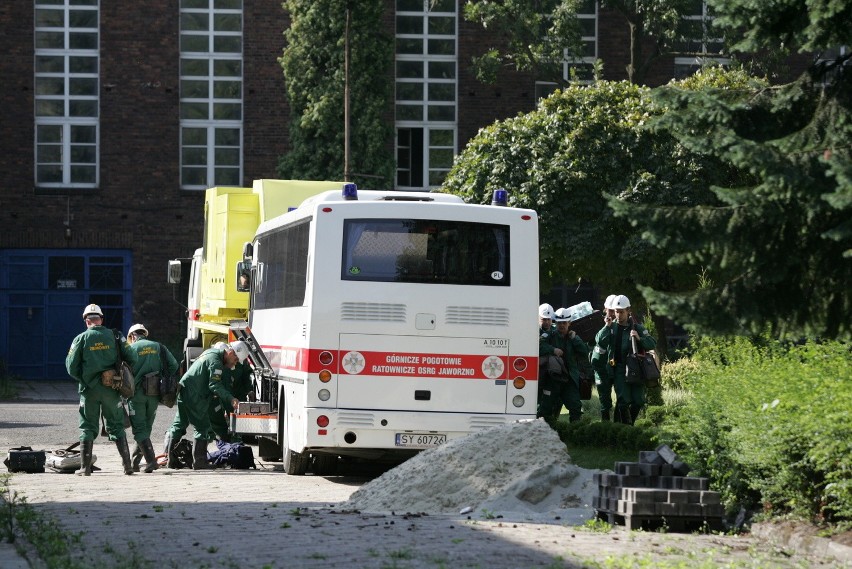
212,276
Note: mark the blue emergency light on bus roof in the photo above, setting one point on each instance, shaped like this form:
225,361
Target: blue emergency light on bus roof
501,197
350,192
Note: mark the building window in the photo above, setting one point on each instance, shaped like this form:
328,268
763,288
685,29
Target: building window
211,93
66,93
577,67
426,86
698,45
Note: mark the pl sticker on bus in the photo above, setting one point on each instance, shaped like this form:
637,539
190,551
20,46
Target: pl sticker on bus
497,275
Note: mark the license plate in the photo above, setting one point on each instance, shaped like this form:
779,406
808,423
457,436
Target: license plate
420,439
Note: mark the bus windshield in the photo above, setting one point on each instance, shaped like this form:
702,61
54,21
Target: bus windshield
426,251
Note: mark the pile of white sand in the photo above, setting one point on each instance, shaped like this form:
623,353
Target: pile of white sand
519,471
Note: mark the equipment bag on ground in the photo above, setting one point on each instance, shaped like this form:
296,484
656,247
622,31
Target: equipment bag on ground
235,455
67,460
25,459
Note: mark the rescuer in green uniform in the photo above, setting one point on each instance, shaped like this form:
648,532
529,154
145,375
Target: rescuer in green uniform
603,381
545,349
239,382
197,386
615,339
92,354
152,360
575,352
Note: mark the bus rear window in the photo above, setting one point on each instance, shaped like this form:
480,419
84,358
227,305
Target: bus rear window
423,251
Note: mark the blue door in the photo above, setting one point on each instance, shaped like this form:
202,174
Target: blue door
42,296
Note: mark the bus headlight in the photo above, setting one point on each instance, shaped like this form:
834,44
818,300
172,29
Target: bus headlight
324,395
518,401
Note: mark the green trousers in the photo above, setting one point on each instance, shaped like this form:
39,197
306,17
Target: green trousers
94,402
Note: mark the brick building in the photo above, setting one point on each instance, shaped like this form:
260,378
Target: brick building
117,115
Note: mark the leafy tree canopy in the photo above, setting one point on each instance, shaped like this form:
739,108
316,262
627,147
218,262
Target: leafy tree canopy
313,64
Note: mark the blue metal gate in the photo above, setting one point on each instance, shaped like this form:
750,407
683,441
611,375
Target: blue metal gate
42,295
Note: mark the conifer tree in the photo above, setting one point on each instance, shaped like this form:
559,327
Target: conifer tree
775,251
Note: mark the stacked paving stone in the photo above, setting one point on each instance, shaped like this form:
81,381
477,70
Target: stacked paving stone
655,493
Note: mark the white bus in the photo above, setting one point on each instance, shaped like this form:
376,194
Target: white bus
389,322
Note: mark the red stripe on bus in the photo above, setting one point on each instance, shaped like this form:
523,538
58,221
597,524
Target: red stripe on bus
364,363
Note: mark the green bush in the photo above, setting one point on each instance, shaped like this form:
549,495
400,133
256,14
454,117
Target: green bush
681,373
767,422
604,434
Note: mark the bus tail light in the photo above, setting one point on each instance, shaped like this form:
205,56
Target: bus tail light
518,401
326,358
520,364
324,394
519,382
322,421
325,376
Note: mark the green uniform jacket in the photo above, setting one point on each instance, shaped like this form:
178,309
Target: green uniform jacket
204,378
604,350
92,352
239,381
148,360
573,348
545,341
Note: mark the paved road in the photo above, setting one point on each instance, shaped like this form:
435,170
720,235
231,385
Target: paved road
264,518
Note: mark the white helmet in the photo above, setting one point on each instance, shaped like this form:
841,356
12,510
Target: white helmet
241,349
545,311
93,309
138,329
220,345
608,301
562,315
620,302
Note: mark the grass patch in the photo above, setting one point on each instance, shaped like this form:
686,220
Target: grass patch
600,458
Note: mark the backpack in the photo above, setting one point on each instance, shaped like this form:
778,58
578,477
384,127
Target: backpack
183,454
235,455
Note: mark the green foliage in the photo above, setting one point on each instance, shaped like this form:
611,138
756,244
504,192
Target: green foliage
537,33
780,230
582,146
313,64
682,373
767,423
605,434
808,26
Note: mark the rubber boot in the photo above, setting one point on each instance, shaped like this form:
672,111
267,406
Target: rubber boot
124,451
85,459
137,457
605,415
150,458
169,447
199,455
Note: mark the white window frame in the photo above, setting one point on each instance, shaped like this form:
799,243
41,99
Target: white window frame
685,66
75,156
432,172
571,61
208,155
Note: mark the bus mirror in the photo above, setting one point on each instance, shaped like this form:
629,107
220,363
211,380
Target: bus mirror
174,271
248,250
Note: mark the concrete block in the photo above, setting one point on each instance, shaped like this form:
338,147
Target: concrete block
680,468
666,470
649,469
677,497
633,509
666,453
713,510
627,468
650,457
695,483
667,509
709,497
695,510
642,495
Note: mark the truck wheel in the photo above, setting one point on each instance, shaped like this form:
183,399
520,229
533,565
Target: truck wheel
295,463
